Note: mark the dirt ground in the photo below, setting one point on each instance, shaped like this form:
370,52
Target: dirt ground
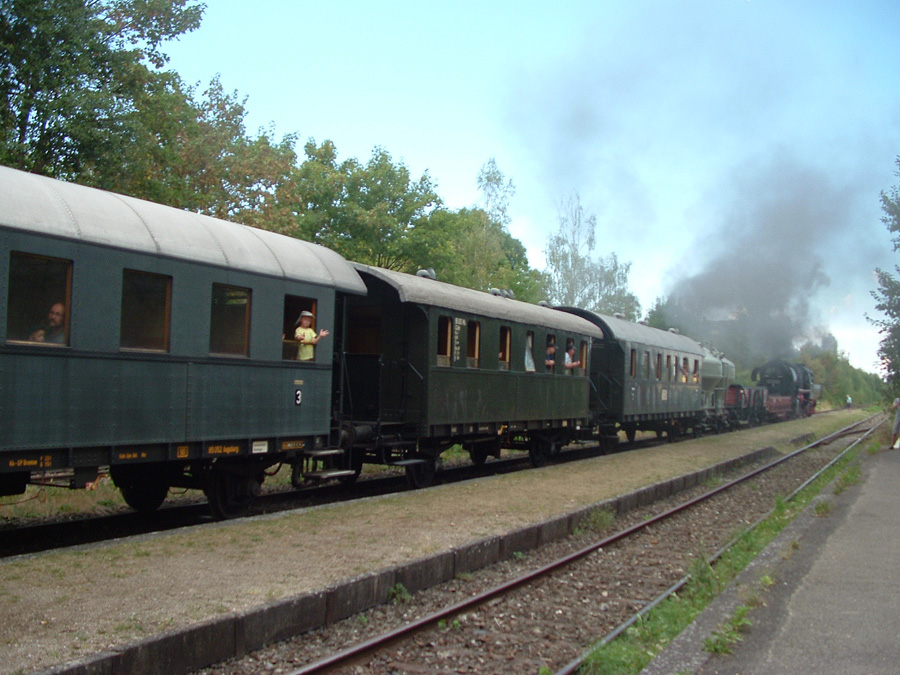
59,606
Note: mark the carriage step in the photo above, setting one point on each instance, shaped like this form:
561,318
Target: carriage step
328,452
330,473
407,462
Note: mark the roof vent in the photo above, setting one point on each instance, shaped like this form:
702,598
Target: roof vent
619,315
427,274
495,291
544,303
675,331
509,293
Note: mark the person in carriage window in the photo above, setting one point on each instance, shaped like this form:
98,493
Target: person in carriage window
53,330
306,337
570,362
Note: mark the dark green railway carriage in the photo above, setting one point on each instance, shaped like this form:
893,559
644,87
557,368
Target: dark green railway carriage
643,378
168,365
429,365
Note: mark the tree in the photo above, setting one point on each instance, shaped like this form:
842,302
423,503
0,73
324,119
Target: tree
575,278
887,295
194,156
496,192
366,212
69,72
468,249
472,247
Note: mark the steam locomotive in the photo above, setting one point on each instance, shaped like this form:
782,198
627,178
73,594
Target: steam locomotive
162,345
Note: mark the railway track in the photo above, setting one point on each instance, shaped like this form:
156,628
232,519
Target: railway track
546,608
75,531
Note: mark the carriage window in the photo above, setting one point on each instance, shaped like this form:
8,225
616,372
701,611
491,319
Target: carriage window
550,358
146,311
696,371
291,320
473,344
659,367
529,352
645,363
443,348
684,369
229,325
40,292
632,371
505,342
670,375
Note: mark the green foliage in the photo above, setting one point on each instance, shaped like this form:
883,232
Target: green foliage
399,595
887,295
84,97
722,640
70,71
365,212
838,378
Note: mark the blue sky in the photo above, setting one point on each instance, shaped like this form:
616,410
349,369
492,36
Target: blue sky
704,135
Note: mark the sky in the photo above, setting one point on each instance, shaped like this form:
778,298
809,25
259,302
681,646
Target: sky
728,148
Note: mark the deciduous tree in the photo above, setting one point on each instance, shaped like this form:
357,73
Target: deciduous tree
576,278
887,295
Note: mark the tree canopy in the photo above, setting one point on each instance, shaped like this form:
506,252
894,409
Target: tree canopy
575,277
86,98
887,295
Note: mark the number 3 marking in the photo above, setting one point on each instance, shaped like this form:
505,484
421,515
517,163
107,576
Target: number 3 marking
298,397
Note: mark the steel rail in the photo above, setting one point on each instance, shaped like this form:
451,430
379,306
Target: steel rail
574,665
378,642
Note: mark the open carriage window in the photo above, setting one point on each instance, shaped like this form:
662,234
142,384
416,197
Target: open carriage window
291,320
443,346
146,311
529,352
40,292
473,343
229,326
505,344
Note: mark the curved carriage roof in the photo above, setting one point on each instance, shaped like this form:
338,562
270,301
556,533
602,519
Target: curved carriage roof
55,208
424,291
619,329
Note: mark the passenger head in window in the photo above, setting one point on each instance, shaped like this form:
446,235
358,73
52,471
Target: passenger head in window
306,337
570,362
53,330
551,355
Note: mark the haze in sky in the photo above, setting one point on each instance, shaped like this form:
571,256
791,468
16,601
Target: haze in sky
729,148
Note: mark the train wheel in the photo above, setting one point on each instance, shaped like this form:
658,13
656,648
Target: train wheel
229,494
421,475
478,453
630,433
146,496
539,451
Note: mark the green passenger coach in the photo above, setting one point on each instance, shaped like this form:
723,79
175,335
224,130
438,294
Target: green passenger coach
429,365
156,342
644,378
